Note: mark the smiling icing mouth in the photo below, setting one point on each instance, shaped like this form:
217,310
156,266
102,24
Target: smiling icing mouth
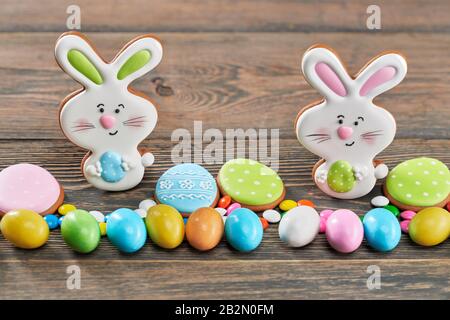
350,144
113,134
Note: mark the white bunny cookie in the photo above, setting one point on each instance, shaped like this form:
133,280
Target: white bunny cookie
108,117
346,129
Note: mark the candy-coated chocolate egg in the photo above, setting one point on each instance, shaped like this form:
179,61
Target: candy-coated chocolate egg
126,230
264,222
102,226
381,229
224,202
100,217
344,231
287,205
80,231
232,207
393,209
272,216
404,225
221,211
304,202
147,204
430,226
299,226
243,230
66,208
204,229
340,176
52,221
407,215
24,228
165,226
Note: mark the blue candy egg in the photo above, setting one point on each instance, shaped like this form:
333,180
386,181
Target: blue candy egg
126,230
381,229
243,230
60,220
52,221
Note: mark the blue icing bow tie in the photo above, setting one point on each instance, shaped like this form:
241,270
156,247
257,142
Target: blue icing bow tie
112,170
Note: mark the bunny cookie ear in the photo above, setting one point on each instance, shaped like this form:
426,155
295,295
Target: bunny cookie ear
325,72
79,60
137,58
381,74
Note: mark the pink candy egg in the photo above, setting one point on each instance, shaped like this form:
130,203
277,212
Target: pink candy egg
407,215
344,231
404,225
232,207
326,213
322,225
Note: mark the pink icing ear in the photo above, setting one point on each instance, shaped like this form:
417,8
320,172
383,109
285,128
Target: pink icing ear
378,78
330,78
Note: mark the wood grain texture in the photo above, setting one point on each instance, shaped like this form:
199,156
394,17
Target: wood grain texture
215,78
230,64
224,15
161,279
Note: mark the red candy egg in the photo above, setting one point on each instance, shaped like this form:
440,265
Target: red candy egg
224,202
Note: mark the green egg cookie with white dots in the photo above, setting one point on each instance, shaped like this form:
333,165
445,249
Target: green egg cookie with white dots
418,183
252,184
340,176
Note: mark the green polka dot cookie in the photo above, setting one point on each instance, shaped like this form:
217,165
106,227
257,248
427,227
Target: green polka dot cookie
418,183
251,183
340,176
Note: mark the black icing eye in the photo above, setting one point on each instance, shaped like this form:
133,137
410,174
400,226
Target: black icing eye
341,121
117,110
355,123
100,107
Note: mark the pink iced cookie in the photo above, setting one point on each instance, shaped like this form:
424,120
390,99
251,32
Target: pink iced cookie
27,186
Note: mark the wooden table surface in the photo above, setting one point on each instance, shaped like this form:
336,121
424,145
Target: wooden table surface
230,64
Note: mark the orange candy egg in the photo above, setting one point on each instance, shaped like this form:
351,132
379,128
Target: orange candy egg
306,203
204,229
264,223
224,202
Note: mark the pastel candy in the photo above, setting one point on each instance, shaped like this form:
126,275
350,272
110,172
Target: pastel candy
430,226
344,231
340,177
407,215
27,186
250,183
187,187
379,201
422,182
112,170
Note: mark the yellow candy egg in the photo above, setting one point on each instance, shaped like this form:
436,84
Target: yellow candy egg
165,226
430,226
287,205
102,226
66,208
24,228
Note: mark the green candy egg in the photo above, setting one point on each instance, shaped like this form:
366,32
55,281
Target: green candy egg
340,177
80,231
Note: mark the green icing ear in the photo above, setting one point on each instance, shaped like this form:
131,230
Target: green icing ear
134,63
81,63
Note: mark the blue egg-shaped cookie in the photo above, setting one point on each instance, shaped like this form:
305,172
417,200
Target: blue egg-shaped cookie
112,170
381,229
187,187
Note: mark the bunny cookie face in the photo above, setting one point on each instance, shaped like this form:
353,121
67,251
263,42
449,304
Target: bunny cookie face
346,129
107,117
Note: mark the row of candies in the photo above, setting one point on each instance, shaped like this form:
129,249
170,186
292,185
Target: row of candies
299,224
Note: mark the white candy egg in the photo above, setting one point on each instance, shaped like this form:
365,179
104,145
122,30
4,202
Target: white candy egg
146,204
299,226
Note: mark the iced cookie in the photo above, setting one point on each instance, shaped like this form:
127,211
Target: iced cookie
346,129
108,117
418,183
252,184
187,187
27,186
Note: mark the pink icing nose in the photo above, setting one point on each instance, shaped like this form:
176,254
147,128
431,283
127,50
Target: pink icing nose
345,132
107,122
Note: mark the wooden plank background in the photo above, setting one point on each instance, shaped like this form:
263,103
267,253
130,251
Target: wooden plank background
231,64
